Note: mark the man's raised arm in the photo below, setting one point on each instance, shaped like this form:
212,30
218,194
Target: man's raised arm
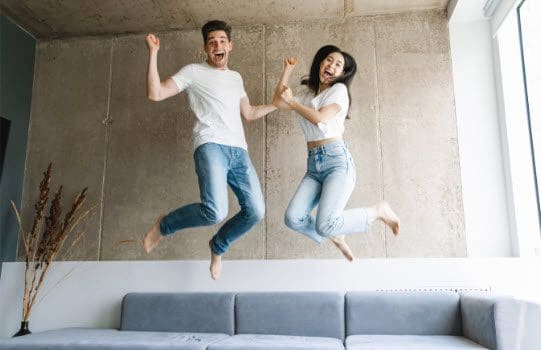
157,90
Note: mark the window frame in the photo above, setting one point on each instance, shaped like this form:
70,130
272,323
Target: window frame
523,210
528,110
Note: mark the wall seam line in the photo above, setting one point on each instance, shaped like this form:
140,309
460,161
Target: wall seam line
107,122
28,137
378,121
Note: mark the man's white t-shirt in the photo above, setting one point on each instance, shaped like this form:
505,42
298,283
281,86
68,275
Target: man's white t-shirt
214,96
336,94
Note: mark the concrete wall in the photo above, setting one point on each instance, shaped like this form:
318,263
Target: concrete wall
17,53
92,119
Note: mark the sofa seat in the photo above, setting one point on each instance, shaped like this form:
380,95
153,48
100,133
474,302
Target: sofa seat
410,342
105,339
275,342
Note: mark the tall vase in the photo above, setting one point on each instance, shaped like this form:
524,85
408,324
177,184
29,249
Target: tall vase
23,331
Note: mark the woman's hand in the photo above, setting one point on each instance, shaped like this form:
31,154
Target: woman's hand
278,100
289,63
287,95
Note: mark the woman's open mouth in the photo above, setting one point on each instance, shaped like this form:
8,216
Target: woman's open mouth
327,75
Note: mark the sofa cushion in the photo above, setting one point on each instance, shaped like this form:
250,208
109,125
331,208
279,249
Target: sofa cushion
179,312
411,342
414,313
110,339
276,342
318,314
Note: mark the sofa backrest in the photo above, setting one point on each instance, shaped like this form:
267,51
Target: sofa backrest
179,312
415,313
319,314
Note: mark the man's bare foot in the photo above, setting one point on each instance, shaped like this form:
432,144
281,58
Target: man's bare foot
153,236
215,264
340,243
388,216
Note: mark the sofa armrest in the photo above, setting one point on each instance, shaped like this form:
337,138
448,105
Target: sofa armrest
501,323
478,319
517,324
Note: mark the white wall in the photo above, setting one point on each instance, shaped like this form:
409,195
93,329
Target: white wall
90,295
483,180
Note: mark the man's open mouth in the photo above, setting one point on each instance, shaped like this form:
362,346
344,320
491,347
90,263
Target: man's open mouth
219,56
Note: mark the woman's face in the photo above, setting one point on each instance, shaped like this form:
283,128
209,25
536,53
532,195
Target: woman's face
331,68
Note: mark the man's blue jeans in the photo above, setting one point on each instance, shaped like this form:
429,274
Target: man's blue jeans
328,184
218,166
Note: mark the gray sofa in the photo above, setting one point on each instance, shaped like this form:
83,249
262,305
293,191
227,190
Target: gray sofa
306,320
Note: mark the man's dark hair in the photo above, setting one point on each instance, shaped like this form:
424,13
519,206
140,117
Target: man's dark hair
211,26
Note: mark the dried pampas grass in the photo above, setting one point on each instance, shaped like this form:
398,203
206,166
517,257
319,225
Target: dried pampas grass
45,240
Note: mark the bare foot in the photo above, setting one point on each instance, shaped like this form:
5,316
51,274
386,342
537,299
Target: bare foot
340,243
153,236
215,264
388,216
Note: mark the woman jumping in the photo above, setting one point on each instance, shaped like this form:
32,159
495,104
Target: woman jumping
330,177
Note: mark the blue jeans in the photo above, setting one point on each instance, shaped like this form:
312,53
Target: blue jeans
218,166
328,184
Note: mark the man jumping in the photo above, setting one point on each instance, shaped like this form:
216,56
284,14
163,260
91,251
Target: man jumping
218,99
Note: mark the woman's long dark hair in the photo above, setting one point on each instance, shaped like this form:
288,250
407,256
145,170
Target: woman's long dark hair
350,68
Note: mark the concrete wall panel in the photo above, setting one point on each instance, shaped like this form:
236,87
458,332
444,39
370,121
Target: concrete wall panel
149,171
421,168
66,128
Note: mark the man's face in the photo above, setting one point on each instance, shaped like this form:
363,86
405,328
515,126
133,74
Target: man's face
218,48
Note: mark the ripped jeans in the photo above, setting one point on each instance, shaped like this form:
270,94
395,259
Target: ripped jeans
328,184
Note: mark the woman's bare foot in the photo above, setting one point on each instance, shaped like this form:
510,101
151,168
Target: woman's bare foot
388,216
153,236
215,264
340,243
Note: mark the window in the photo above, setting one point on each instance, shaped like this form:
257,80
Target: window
529,27
517,73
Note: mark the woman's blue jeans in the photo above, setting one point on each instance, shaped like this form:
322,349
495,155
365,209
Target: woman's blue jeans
328,184
218,166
